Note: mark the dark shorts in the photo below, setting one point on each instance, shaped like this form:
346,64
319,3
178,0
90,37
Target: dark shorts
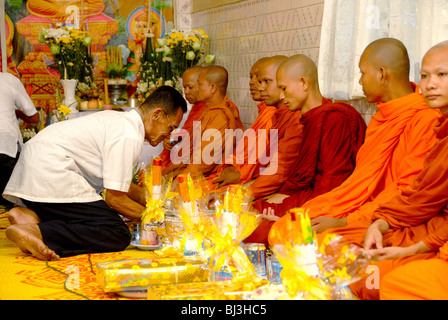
78,228
7,165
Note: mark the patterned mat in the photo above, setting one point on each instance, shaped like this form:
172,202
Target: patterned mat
24,277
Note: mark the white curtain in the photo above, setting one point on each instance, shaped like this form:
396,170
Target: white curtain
350,25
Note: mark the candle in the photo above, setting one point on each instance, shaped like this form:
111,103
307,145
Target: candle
106,93
65,73
157,178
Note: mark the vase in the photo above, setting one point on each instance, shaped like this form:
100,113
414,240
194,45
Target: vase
69,92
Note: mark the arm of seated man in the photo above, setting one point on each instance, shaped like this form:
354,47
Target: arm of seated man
123,204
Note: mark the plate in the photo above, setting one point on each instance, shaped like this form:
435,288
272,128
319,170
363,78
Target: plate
127,108
146,247
139,294
90,110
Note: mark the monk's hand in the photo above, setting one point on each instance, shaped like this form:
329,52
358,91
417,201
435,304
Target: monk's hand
374,236
320,224
228,176
269,214
388,253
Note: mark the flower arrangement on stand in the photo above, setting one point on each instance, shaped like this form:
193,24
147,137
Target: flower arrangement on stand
69,48
166,59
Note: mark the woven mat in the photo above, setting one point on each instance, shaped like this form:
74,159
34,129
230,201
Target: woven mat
24,277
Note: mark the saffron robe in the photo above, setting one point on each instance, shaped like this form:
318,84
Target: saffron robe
398,137
332,135
289,138
195,113
419,213
419,280
217,118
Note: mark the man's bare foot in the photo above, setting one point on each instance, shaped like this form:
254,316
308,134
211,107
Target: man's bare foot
29,239
21,215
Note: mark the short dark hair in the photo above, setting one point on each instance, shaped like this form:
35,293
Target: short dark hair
166,98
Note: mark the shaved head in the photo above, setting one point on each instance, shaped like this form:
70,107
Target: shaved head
298,80
434,77
253,82
299,66
389,53
217,75
190,83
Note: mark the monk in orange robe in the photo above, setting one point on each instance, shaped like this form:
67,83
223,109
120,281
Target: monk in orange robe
230,172
414,224
190,84
286,124
204,148
332,136
419,280
398,137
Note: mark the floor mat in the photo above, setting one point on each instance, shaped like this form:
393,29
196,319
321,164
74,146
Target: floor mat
24,277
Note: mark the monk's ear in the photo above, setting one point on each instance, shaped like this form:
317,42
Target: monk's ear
213,88
382,74
304,83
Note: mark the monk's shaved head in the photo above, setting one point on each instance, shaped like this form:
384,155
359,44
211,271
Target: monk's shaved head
389,53
274,61
217,75
297,79
434,77
385,69
298,66
253,82
194,71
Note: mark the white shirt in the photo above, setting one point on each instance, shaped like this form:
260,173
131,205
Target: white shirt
73,160
12,94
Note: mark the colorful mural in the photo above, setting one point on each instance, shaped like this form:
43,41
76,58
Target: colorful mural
110,23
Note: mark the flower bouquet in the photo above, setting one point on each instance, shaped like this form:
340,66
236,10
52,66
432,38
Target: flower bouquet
69,48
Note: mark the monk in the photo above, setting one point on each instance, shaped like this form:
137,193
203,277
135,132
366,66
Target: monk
332,136
204,148
418,280
414,224
397,140
190,84
287,125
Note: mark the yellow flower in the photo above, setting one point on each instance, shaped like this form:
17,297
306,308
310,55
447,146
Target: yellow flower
70,64
65,40
64,110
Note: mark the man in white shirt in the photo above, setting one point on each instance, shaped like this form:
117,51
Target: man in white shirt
61,171
12,95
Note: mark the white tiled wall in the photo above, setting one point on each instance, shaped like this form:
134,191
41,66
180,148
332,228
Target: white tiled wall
242,33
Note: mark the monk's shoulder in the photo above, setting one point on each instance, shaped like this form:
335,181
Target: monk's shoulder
424,118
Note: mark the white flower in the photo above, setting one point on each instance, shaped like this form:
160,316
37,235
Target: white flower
142,87
149,35
196,45
167,50
167,59
160,50
169,83
210,58
190,55
162,42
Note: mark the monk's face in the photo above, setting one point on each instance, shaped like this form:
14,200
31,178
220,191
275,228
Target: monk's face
370,80
190,84
270,92
254,83
158,125
205,90
292,91
434,79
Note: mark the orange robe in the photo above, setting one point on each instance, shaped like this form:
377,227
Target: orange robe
332,136
419,280
218,118
194,115
397,140
263,121
289,138
420,213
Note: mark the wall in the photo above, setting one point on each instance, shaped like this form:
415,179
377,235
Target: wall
243,32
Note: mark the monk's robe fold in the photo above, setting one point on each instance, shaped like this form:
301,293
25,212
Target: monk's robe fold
247,170
218,118
419,213
418,280
398,137
332,136
195,113
283,154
